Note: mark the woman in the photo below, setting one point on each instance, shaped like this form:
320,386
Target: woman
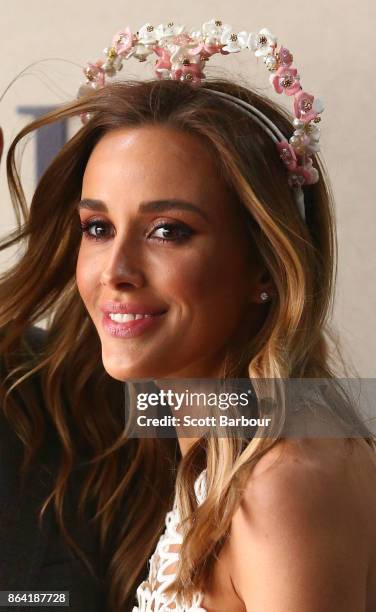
171,203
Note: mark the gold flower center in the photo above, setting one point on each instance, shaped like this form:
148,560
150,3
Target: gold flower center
218,23
287,81
150,28
262,40
234,37
89,74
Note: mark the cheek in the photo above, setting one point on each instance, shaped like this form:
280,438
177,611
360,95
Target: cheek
87,276
210,280
189,276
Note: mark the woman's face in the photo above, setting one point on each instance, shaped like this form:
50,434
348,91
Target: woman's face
161,234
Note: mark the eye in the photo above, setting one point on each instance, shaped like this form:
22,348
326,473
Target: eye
95,229
172,232
99,230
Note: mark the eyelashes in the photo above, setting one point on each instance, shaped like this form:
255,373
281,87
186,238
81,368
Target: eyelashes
87,226
90,228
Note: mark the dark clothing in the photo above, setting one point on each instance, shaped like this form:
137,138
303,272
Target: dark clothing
35,559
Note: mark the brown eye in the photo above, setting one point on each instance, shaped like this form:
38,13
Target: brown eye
172,232
95,229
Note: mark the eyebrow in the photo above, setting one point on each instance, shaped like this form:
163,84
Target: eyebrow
145,207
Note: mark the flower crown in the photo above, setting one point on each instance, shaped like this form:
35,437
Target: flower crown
182,55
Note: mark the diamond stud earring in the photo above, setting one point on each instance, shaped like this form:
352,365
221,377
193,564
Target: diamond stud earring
264,296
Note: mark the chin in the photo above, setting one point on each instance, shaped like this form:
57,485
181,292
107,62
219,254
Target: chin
123,373
120,370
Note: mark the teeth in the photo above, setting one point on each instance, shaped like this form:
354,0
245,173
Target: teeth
124,318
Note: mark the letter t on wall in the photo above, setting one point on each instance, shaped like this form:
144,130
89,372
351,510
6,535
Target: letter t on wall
49,140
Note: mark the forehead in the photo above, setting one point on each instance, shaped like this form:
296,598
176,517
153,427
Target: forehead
153,136
159,158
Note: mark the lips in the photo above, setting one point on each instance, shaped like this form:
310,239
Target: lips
131,308
130,329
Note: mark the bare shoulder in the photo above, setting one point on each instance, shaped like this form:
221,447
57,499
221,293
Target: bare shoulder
318,475
346,466
307,517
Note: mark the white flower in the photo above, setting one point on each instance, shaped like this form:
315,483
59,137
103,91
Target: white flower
87,88
234,41
147,35
141,52
310,130
179,41
166,31
114,62
314,132
109,69
262,43
271,62
179,54
318,105
313,147
314,137
117,63
196,34
212,30
165,73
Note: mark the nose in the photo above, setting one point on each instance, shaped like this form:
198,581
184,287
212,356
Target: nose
122,266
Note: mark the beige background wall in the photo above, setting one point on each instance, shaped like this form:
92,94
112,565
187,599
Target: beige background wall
332,42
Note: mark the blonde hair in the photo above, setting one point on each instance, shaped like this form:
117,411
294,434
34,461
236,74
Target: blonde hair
132,481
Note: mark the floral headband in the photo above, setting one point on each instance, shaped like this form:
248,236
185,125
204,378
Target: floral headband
181,55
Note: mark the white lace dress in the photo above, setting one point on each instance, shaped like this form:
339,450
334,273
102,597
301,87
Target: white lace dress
151,596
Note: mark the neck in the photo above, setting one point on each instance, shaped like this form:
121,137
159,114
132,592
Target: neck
185,444
188,433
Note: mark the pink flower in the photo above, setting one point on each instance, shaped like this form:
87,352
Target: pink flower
214,47
304,175
123,41
95,73
312,175
299,176
191,72
304,107
287,154
197,49
285,57
163,64
182,40
207,49
287,80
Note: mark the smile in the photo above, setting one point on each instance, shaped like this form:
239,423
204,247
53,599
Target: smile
122,318
126,325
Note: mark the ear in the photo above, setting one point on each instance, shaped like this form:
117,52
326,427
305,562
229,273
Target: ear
263,288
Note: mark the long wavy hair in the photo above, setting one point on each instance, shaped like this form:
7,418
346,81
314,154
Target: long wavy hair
132,481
